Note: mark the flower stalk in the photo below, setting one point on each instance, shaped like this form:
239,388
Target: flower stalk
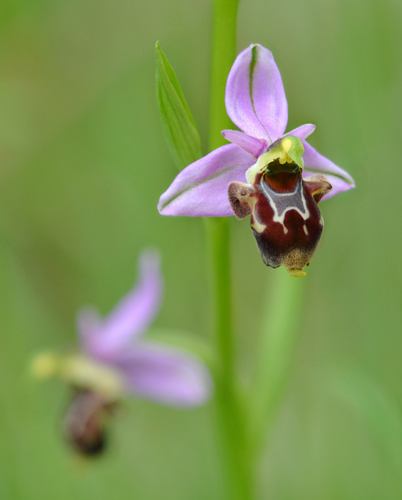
230,418
223,55
218,229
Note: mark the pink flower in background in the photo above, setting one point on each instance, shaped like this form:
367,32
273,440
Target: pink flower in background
116,360
283,172
146,368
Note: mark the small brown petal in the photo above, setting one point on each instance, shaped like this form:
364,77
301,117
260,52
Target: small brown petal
317,185
240,198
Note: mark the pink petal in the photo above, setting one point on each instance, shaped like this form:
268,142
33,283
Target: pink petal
250,144
255,97
303,131
200,190
314,162
164,374
131,317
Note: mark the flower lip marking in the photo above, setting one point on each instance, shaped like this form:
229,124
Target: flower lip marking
284,202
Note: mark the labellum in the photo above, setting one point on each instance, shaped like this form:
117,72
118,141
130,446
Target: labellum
285,218
85,422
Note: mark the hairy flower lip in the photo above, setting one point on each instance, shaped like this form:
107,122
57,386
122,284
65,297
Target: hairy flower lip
286,223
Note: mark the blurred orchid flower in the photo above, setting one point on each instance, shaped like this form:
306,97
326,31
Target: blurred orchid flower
116,361
283,173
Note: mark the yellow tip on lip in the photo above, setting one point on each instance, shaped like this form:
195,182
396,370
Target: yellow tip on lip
296,273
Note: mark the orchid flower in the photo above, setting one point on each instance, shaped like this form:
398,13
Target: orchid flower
115,361
283,172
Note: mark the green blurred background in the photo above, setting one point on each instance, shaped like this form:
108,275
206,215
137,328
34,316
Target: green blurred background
83,162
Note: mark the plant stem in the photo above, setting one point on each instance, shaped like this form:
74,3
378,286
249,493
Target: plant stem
230,418
218,231
231,424
223,56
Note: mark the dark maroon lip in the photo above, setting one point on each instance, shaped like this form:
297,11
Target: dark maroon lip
285,218
293,224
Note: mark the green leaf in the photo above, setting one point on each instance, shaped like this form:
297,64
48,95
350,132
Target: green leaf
180,130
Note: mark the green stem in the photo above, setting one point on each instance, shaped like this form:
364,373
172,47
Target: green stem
223,56
218,231
230,417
